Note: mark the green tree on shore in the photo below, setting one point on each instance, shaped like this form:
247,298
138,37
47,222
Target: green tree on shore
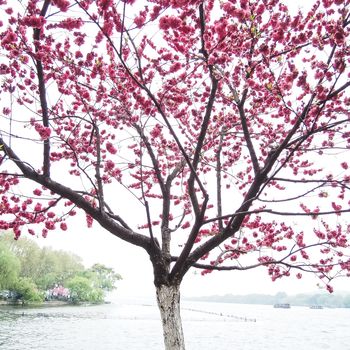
30,271
9,268
82,290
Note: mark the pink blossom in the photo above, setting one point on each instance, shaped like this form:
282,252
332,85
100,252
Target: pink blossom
110,148
31,232
156,131
43,131
140,20
50,225
9,38
34,21
63,226
6,110
61,4
186,225
38,207
344,165
329,288
89,220
336,207
71,23
37,192
109,165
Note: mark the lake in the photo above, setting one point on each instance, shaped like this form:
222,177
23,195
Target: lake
135,324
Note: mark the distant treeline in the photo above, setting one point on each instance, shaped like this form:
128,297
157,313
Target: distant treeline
339,300
29,273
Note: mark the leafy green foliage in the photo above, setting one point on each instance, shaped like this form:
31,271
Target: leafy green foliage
29,271
83,290
27,290
104,277
9,268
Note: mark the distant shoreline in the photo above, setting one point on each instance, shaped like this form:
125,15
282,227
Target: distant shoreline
339,300
44,304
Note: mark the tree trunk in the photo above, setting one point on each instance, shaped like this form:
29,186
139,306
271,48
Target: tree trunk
168,298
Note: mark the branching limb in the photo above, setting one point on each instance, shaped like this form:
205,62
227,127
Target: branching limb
148,214
166,231
153,158
105,220
179,268
289,199
306,267
205,122
42,93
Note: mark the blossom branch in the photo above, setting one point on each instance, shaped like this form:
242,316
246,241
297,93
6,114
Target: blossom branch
103,219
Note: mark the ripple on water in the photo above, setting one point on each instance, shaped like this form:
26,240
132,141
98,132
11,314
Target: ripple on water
136,327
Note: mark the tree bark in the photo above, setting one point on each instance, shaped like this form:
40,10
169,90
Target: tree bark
168,298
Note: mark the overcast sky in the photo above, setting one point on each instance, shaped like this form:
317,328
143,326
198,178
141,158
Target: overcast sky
96,245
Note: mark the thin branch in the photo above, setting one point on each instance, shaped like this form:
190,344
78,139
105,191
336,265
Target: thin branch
148,214
153,158
166,231
307,267
102,218
179,268
119,219
42,93
335,93
218,179
247,137
304,181
97,169
291,198
205,122
270,211
199,146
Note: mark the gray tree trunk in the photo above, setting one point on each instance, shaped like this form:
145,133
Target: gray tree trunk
168,298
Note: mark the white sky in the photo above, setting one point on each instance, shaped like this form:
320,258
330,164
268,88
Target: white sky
96,245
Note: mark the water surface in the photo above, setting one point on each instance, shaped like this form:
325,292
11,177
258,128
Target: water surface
135,325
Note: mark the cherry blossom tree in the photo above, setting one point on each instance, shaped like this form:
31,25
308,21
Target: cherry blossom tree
224,124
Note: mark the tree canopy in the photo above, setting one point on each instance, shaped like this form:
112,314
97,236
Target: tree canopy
222,124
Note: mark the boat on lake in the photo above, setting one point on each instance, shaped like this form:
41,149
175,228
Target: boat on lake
282,306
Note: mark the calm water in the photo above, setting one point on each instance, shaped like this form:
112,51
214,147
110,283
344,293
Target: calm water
208,326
